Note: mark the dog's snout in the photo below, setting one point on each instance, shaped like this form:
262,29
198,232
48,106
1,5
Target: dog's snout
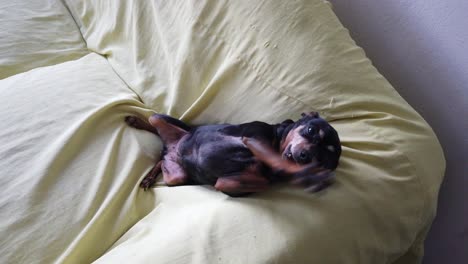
303,157
316,139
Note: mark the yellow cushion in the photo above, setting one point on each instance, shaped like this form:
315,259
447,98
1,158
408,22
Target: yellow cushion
234,61
37,33
69,166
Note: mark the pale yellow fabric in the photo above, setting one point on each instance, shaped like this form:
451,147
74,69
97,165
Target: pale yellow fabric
36,33
70,167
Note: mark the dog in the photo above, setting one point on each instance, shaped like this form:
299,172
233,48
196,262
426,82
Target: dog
245,158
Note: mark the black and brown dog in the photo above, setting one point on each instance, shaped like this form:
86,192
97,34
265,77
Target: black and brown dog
244,158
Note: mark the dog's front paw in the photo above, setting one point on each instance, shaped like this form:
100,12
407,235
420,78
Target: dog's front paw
314,182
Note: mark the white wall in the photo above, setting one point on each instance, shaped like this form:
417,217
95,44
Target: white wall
421,47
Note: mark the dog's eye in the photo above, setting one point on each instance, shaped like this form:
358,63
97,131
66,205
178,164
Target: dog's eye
311,131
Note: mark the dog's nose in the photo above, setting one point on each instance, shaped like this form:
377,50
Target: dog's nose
304,157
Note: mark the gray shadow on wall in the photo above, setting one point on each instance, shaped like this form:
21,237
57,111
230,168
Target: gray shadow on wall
425,60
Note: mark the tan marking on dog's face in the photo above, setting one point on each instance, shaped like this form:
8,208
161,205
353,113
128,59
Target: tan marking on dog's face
294,144
291,135
321,133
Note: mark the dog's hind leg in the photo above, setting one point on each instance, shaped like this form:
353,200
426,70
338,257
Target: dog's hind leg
150,178
139,123
171,120
173,173
170,133
245,182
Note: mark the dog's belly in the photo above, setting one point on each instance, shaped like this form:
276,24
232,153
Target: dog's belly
209,154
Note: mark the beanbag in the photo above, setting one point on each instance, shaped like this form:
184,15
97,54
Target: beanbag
72,166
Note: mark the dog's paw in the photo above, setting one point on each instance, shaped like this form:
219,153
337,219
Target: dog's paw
147,182
131,120
135,122
319,186
314,182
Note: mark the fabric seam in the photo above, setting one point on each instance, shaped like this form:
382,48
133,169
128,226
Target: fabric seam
73,14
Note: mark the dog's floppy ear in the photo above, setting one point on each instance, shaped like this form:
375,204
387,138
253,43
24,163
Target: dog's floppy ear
311,114
286,122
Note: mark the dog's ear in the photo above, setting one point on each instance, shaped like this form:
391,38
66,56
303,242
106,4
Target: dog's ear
286,122
284,127
311,114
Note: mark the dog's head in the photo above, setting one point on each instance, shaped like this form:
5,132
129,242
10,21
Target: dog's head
311,139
